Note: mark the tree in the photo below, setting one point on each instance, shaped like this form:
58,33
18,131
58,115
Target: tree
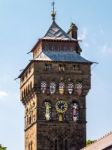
2,148
88,142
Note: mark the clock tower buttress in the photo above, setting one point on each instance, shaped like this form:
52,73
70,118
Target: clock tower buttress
53,89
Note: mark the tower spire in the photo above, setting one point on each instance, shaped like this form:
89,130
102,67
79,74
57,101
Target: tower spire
53,13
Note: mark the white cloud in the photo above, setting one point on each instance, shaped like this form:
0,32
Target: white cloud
106,49
3,94
83,34
86,44
101,30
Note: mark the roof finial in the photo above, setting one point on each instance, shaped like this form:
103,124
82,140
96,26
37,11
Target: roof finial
53,14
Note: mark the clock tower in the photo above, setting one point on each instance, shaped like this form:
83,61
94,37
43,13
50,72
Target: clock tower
53,89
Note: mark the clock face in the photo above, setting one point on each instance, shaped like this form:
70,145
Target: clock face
61,106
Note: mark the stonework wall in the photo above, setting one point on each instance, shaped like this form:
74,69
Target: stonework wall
41,134
31,138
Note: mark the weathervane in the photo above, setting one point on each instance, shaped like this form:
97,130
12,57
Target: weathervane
53,14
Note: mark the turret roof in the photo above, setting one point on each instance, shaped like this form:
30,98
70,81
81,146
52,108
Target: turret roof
55,32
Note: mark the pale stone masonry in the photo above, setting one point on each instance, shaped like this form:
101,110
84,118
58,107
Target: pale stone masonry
104,143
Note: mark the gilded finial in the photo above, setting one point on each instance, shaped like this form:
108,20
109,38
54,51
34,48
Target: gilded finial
53,14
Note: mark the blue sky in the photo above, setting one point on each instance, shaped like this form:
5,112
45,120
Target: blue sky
22,23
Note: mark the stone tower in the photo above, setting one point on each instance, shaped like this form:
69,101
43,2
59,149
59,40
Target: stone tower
53,89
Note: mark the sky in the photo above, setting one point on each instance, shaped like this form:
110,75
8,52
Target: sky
22,23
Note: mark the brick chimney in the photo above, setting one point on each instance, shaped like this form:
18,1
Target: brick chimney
73,31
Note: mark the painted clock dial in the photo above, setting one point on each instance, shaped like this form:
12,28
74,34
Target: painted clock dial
61,106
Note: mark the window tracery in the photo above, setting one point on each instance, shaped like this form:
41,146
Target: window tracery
70,88
52,87
61,87
43,86
48,67
78,87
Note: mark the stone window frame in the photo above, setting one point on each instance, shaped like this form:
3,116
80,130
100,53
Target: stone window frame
48,66
62,67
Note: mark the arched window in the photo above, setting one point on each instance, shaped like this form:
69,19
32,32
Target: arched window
56,145
52,87
70,88
61,87
22,79
48,110
78,87
30,85
29,119
76,67
61,67
66,144
75,108
31,146
43,86
22,94
48,67
61,143
26,90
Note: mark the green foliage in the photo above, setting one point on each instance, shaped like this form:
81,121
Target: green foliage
88,142
2,148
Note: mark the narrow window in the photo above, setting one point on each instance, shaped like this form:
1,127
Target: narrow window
52,87
78,87
70,88
61,87
61,67
56,144
26,75
22,79
29,70
75,108
28,88
30,120
47,111
76,67
61,143
31,86
66,144
31,146
43,86
22,95
48,67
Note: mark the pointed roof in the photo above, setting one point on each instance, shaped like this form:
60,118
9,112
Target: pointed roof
62,57
55,32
